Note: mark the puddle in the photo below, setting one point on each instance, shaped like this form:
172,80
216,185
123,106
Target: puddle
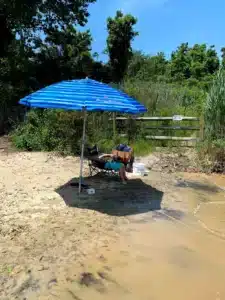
161,260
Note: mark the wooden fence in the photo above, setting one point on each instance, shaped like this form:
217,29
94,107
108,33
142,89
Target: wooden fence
177,125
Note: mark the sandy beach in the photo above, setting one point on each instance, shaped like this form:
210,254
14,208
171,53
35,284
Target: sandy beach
163,230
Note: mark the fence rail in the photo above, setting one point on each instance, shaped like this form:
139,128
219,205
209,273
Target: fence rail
163,138
173,128
157,118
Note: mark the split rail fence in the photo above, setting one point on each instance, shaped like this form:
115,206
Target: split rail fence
195,131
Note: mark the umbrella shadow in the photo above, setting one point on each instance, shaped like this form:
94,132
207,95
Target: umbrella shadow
112,197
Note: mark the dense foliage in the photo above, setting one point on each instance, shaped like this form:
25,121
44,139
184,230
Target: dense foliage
121,34
41,44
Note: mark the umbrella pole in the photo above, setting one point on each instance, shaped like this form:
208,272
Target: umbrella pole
82,150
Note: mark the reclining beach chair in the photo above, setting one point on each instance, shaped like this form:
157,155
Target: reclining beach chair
96,165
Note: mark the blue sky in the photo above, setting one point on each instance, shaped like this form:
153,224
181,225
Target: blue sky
163,24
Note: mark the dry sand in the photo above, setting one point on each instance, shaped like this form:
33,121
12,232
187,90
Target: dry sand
151,239
38,231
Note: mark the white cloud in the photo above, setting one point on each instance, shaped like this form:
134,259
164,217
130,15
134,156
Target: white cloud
129,6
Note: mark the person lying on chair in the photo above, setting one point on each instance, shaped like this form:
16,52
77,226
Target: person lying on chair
114,164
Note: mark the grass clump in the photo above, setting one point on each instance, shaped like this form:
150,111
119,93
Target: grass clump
212,149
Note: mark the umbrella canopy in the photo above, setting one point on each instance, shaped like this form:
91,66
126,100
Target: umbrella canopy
83,94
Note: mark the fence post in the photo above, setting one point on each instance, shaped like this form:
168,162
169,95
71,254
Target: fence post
114,125
131,130
202,126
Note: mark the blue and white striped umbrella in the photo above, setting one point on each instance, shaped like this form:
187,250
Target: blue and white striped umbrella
83,95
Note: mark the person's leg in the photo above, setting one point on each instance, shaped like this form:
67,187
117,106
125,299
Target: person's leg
122,174
118,167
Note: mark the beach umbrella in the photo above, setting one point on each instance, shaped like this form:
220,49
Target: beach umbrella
83,95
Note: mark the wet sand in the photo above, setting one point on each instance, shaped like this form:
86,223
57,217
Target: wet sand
166,255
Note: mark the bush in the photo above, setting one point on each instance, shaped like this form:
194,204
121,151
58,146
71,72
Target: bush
49,130
211,155
218,156
53,130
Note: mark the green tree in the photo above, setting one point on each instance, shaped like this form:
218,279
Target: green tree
120,36
204,64
180,63
26,14
29,17
135,65
145,67
223,57
6,35
197,61
212,61
65,54
195,65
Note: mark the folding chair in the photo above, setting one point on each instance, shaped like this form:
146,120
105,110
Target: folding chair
95,164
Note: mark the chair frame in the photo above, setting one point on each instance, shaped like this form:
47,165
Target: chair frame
94,170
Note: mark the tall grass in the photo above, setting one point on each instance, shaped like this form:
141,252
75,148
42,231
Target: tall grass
163,99
214,112
212,150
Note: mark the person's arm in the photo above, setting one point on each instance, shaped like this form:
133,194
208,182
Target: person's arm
105,155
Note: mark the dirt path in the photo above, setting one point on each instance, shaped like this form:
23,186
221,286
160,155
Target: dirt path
159,237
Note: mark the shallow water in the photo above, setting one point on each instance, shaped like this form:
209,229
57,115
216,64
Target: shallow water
165,254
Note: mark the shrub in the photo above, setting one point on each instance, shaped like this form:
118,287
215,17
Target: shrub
48,130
